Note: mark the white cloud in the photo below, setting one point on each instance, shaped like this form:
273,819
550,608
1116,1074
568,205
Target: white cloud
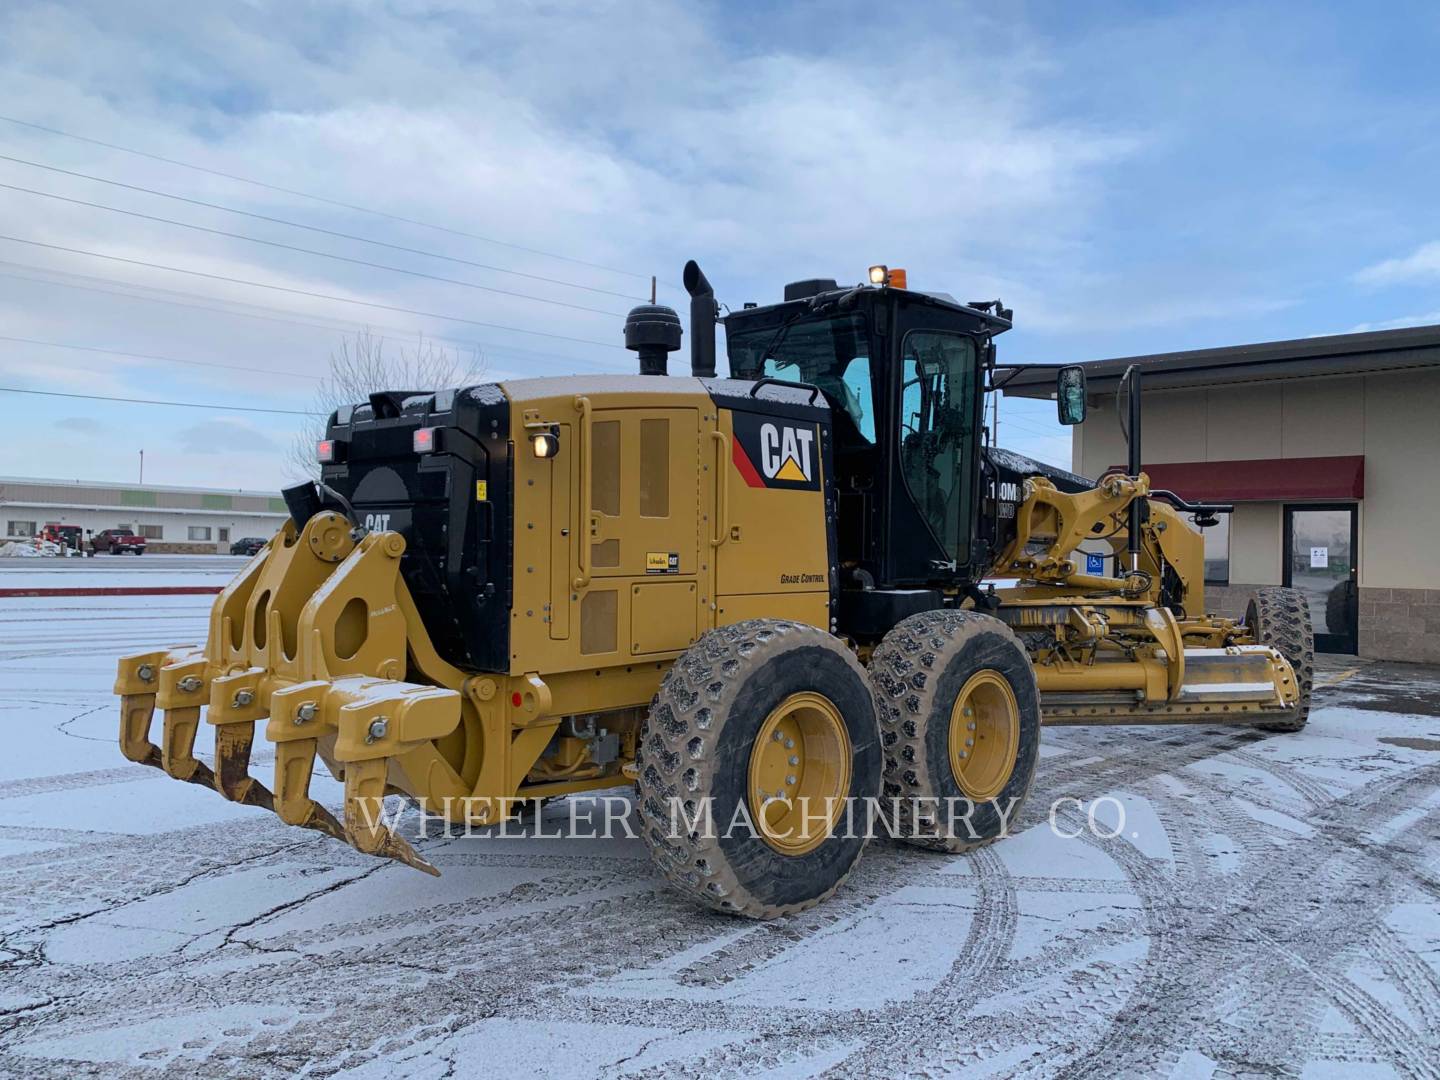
223,435
85,425
799,142
1428,318
1422,264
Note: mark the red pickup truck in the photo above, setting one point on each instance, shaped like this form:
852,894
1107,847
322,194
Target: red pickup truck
118,542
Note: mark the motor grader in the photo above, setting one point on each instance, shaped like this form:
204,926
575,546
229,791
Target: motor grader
761,599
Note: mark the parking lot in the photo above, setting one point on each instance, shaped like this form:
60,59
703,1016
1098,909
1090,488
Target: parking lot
1267,904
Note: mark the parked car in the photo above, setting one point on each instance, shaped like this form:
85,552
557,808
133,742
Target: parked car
119,542
247,545
69,537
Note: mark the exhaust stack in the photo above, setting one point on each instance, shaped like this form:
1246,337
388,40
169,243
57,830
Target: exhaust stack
703,310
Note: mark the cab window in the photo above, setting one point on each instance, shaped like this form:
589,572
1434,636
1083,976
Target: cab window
833,354
937,437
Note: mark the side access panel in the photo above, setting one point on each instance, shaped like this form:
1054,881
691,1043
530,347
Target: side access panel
611,560
774,536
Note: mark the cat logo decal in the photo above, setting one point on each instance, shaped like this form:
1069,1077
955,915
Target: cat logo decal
772,452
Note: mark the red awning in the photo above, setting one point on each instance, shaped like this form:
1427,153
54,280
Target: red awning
1263,480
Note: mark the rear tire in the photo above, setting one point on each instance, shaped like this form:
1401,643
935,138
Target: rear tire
707,741
1280,618
960,776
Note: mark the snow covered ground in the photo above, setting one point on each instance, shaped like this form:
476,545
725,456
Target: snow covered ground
1269,906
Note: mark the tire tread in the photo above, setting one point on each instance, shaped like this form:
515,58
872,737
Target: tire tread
905,670
1280,618
676,754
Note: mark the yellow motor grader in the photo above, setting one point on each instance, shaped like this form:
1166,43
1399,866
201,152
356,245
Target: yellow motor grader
763,600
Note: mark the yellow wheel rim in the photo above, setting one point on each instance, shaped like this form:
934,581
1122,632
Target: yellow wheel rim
984,735
799,773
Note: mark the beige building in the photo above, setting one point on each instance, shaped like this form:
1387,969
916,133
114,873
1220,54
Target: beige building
172,519
1330,450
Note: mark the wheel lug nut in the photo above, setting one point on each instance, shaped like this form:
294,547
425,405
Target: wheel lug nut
789,744
969,742
971,725
790,780
777,736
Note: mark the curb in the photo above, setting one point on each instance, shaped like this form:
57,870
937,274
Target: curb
120,590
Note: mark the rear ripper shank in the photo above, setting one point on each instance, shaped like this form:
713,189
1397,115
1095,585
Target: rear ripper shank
763,593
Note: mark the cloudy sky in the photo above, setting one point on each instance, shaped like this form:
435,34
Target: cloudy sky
1128,178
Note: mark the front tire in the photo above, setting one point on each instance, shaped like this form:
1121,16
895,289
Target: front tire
1280,618
760,722
959,776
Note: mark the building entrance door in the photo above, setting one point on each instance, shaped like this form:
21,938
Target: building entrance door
1321,562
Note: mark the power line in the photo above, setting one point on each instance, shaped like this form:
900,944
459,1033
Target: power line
308,251
322,199
333,325
163,359
277,317
1010,421
337,325
314,228
306,292
151,401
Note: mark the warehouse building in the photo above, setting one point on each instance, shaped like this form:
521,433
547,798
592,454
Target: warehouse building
172,519
1329,447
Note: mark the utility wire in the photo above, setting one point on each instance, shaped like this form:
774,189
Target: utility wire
336,325
322,199
309,251
151,401
1010,421
313,228
306,292
277,317
162,359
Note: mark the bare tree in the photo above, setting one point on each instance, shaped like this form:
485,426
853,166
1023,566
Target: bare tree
367,363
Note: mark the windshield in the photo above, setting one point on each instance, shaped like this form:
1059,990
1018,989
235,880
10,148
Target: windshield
937,417
833,354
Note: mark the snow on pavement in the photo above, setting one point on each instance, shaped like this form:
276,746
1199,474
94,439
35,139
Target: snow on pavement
1267,903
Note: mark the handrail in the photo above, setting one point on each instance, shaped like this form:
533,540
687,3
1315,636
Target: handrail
770,380
1191,507
587,480
722,489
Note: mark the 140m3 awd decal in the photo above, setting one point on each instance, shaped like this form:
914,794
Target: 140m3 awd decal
772,452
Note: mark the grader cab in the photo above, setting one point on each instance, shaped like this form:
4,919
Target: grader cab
763,601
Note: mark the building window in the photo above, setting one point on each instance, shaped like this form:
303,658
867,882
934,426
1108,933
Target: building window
199,532
21,528
152,532
1217,551
225,535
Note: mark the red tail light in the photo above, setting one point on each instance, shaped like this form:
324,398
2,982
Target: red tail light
424,441
325,451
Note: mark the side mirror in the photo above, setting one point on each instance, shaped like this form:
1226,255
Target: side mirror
1070,395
